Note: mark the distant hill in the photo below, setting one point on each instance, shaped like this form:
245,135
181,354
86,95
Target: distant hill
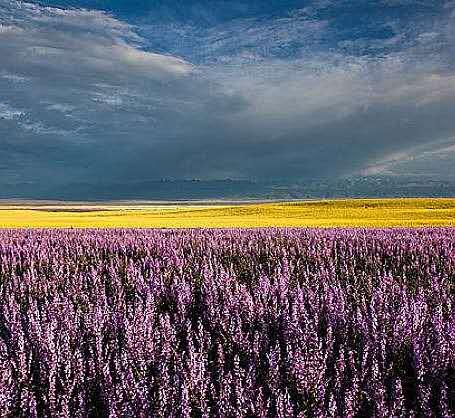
234,189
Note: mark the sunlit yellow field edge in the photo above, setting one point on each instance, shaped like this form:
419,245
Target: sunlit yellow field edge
362,213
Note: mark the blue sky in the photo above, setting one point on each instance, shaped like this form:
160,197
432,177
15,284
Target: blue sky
128,91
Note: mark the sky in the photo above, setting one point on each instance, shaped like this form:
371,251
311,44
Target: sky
124,91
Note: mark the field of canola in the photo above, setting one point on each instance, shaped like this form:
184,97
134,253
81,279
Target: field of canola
330,213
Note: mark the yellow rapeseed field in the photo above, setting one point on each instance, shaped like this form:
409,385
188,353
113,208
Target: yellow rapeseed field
324,213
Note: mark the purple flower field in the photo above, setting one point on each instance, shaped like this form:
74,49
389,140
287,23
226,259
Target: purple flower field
227,323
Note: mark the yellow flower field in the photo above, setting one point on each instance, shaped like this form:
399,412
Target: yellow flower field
324,213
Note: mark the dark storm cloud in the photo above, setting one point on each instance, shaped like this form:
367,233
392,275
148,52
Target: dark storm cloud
83,98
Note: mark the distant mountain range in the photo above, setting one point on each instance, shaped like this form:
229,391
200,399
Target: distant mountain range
235,189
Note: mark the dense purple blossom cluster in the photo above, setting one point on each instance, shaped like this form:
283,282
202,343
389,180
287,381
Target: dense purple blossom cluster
199,323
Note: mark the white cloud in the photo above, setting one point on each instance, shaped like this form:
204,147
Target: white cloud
59,107
9,113
24,121
148,63
112,100
88,41
14,78
8,29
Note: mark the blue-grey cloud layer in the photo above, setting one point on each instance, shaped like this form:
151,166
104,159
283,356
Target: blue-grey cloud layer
129,91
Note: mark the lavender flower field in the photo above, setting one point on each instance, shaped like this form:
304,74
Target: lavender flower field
227,323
